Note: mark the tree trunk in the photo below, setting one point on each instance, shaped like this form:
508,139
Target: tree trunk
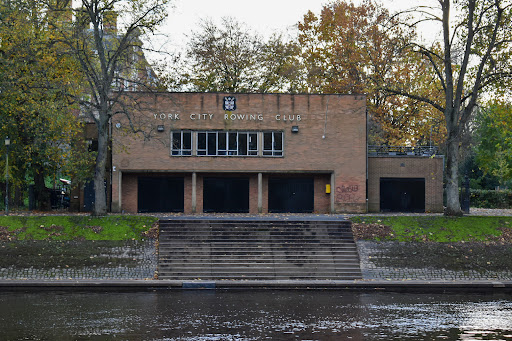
100,198
41,194
452,178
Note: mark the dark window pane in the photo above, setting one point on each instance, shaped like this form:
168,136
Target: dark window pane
267,141
212,143
176,140
242,144
278,141
222,141
187,140
253,141
201,141
233,146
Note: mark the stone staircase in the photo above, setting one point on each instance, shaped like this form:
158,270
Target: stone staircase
215,249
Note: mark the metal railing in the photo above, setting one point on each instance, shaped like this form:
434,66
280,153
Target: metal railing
402,151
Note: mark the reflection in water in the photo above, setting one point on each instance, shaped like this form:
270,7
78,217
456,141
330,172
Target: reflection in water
257,315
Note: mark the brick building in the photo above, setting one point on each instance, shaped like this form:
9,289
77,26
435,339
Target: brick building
405,180
243,153
253,153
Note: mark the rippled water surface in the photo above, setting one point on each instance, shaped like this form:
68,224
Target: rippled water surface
256,315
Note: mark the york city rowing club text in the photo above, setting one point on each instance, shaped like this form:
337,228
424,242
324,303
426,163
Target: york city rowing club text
229,117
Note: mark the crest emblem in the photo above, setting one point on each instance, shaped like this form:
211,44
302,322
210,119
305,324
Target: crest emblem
229,103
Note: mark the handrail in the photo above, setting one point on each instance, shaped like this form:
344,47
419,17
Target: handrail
402,150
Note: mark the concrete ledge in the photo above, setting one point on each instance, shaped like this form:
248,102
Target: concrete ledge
108,285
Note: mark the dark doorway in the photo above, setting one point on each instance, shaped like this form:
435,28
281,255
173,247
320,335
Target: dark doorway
293,195
88,196
160,194
226,195
402,195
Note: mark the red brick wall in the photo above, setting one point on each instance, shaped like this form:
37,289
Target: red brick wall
340,118
407,167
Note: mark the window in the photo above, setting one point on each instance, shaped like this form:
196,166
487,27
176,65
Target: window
220,143
226,143
181,143
201,143
273,143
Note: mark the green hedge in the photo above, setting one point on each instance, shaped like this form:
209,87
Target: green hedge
491,199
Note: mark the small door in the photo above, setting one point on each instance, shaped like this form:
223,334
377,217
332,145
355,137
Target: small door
226,195
293,195
402,195
160,194
89,195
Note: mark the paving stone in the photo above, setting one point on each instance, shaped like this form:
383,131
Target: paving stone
370,252
142,265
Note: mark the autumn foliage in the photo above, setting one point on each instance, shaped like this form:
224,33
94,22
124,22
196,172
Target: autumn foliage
359,49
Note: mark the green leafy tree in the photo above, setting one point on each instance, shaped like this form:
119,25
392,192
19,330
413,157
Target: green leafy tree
472,56
232,58
35,111
354,49
112,63
493,153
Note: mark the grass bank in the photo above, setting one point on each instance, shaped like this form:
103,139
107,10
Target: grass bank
433,228
75,227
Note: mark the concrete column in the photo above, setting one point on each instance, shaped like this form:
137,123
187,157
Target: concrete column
194,190
260,193
333,192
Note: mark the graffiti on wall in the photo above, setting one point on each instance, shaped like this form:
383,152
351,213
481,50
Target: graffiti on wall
346,193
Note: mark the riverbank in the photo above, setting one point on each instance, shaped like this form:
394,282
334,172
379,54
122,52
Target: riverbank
481,254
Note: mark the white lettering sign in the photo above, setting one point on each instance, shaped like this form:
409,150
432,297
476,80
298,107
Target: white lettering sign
243,117
163,116
230,117
289,118
201,116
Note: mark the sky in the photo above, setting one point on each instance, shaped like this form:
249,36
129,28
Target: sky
263,16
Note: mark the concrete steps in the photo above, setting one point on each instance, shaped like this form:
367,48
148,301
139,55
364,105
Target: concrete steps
264,249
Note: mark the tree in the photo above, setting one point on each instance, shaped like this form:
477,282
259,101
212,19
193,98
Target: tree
232,58
472,56
354,49
493,153
35,113
112,65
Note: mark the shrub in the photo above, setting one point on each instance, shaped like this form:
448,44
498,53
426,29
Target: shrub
491,199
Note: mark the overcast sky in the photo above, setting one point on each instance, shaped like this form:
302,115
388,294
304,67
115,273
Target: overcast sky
264,16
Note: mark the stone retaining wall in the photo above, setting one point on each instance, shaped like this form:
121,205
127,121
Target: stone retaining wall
54,260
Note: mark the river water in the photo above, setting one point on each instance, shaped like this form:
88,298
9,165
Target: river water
253,315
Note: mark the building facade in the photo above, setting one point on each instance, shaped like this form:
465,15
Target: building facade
246,153
405,183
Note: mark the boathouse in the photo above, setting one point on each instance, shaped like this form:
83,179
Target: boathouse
263,153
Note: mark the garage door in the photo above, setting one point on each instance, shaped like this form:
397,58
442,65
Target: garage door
294,195
402,195
225,195
160,194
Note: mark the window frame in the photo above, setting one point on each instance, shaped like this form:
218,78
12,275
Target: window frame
181,151
274,151
228,143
